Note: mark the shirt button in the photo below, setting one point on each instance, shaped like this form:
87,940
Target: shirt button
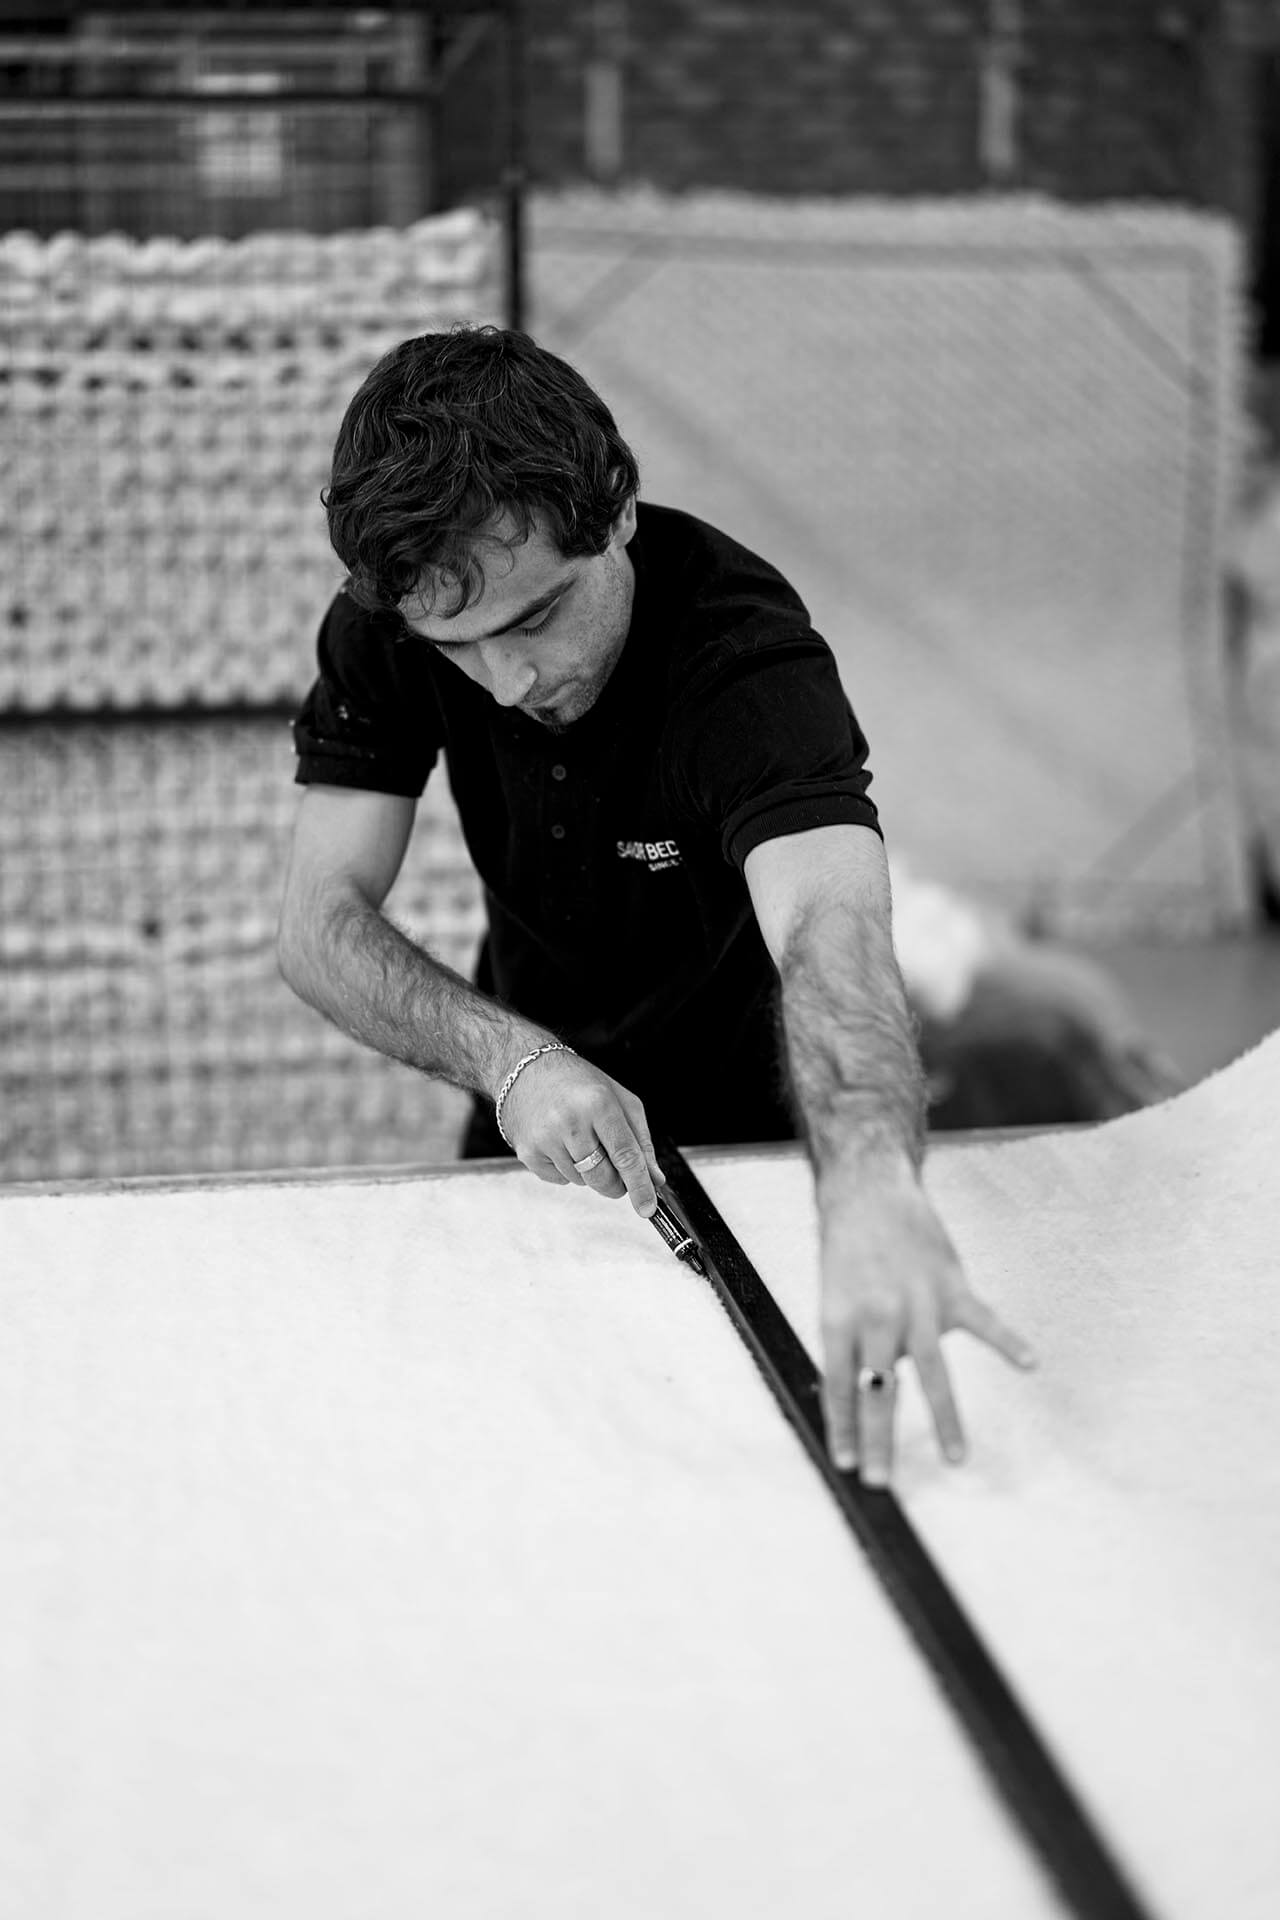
559,773
557,832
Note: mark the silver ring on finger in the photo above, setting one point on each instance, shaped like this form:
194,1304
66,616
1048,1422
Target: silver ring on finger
589,1161
876,1380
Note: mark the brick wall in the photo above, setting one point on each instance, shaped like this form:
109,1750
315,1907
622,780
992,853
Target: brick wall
1117,101
814,96
1113,98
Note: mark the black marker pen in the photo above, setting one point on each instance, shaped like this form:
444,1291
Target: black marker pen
681,1243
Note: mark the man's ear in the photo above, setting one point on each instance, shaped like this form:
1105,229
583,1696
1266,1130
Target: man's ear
625,524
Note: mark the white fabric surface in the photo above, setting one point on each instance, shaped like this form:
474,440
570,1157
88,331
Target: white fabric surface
1116,1533
434,1548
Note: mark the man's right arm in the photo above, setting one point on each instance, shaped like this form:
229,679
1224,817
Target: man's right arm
340,953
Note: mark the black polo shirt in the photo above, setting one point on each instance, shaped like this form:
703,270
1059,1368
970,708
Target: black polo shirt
611,854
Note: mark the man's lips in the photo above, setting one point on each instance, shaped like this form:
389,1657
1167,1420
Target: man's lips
548,708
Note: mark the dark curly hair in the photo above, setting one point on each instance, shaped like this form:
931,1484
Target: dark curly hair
453,429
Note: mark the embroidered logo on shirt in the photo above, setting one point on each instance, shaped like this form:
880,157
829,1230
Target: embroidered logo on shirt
656,854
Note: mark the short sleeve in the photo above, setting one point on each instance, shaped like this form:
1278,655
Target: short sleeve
371,719
770,746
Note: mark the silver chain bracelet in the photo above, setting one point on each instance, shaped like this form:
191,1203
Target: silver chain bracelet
552,1046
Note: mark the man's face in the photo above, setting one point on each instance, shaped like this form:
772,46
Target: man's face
546,631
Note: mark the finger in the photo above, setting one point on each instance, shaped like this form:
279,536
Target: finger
877,1405
568,1156
978,1319
640,1127
602,1178
546,1169
839,1399
628,1160
936,1383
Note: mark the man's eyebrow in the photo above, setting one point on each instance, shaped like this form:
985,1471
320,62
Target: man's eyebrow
526,613
535,606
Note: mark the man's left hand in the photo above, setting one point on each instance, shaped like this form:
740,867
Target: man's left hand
892,1285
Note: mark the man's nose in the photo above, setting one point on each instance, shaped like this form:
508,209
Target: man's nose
510,679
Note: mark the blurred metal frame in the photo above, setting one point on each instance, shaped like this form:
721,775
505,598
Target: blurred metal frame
75,41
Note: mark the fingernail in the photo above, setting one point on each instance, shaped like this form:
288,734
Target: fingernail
955,1454
1027,1359
845,1459
875,1477
661,1176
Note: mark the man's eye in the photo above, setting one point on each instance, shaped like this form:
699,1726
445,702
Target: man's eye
457,646
545,621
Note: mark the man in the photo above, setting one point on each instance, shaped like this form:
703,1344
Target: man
664,792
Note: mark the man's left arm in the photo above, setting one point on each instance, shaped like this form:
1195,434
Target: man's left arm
891,1283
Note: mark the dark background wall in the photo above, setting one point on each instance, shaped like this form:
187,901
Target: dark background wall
801,98
1109,98
1083,100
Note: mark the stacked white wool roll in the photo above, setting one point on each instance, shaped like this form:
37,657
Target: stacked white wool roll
168,410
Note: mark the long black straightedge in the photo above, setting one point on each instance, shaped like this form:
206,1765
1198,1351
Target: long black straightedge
1012,1752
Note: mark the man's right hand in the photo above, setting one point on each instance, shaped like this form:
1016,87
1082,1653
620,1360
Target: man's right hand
563,1109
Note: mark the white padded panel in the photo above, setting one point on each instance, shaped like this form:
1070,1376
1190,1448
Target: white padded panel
435,1548
1114,1534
